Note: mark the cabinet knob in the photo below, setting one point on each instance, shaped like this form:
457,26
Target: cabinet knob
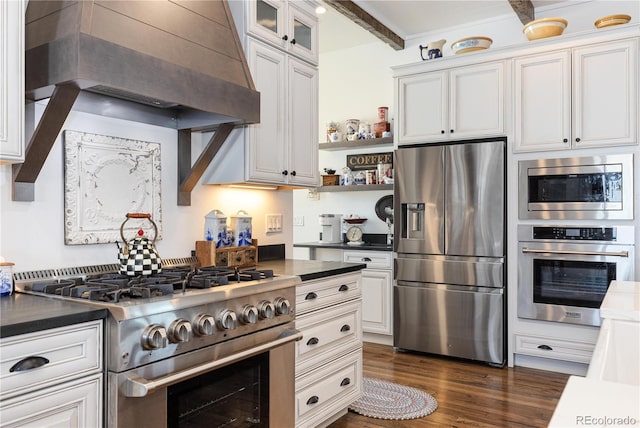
565,140
577,140
285,37
285,172
293,41
293,173
451,131
442,131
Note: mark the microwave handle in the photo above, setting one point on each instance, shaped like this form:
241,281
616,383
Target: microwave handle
584,253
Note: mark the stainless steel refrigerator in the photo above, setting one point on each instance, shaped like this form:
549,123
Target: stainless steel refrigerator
449,204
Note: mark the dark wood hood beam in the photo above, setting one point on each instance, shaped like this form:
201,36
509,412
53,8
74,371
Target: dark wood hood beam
42,140
189,176
524,9
368,22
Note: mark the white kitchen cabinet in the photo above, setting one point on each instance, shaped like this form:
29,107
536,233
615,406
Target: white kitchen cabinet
282,149
459,103
329,356
577,98
288,25
12,81
61,380
377,290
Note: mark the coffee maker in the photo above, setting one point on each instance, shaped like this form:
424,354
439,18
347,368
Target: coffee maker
330,231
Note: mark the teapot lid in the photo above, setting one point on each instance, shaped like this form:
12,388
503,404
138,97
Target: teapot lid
241,214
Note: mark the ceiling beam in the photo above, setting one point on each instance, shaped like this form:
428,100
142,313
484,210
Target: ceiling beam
524,9
368,22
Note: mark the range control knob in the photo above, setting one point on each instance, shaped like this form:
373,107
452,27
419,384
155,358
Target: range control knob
266,310
179,331
249,314
154,336
282,306
204,325
227,319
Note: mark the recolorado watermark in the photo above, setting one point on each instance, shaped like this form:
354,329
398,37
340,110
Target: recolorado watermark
604,421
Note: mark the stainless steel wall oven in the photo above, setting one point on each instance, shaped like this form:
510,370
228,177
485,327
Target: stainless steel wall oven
565,271
599,187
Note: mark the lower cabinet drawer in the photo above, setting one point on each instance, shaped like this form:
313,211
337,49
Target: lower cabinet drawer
324,392
71,404
63,354
328,333
318,294
558,349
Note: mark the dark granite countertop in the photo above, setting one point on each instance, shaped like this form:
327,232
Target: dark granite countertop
25,313
310,269
367,246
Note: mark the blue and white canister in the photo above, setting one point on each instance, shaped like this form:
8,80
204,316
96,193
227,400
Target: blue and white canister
241,224
215,228
6,278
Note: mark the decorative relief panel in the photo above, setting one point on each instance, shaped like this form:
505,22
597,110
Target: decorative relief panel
106,178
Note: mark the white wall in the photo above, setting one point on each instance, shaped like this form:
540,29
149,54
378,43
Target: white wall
32,233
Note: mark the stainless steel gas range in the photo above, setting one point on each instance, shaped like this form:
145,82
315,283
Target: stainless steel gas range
197,347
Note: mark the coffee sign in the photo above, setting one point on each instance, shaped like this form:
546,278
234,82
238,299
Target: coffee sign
363,162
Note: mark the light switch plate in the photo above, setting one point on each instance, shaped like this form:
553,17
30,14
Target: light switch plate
273,222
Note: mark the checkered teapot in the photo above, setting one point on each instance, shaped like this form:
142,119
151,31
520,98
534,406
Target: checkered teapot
139,256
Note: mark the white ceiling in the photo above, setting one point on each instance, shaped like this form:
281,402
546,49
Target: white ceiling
410,18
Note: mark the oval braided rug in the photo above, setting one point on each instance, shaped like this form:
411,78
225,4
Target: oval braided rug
387,400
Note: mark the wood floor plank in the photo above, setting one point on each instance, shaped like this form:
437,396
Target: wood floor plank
469,394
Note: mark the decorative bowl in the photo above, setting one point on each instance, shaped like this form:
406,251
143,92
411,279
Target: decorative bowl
610,20
545,27
354,220
471,44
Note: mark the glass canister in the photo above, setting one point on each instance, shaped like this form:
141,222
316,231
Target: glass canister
241,224
6,278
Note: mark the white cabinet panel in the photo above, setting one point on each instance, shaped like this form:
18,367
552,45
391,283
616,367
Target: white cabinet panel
377,296
12,81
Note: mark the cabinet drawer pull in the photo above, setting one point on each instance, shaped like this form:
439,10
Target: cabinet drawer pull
28,364
343,287
312,400
545,347
311,296
346,381
345,327
312,341
365,259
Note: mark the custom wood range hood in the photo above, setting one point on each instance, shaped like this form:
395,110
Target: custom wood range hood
177,64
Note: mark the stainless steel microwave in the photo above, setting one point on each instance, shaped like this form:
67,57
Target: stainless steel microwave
593,188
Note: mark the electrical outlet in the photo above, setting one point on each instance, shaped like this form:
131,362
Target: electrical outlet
273,222
298,220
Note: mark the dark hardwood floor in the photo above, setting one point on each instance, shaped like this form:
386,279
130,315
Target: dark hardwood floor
468,393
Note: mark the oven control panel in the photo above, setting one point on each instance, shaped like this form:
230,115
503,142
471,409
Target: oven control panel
575,233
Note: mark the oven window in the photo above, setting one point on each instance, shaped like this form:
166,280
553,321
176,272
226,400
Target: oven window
596,187
233,396
571,283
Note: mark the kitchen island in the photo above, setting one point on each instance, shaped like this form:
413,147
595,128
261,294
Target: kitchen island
610,393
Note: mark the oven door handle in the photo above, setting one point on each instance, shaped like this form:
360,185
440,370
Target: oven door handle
136,386
583,253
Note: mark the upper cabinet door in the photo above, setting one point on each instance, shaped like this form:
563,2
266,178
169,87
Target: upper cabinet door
476,106
422,107
605,94
303,34
12,81
290,26
542,101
